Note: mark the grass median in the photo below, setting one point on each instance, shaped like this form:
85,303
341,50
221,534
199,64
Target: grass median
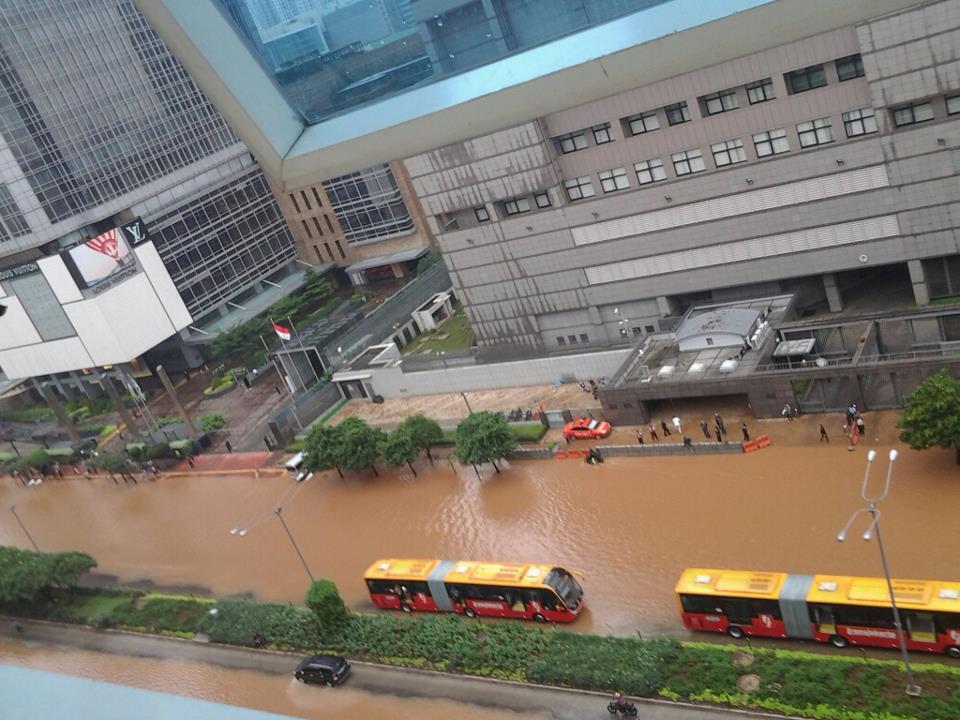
810,685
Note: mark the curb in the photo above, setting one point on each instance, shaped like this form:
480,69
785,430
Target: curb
26,622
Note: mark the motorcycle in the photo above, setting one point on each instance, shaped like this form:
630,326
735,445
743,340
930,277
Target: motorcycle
627,708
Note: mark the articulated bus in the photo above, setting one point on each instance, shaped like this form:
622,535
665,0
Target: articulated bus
827,608
511,590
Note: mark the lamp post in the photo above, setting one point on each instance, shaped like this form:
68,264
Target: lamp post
873,528
242,531
13,509
464,396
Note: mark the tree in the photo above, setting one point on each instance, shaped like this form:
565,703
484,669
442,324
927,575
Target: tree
321,449
932,414
484,437
114,463
424,432
18,465
38,458
325,602
398,448
25,575
359,445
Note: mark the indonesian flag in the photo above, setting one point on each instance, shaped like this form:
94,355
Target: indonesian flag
282,331
106,243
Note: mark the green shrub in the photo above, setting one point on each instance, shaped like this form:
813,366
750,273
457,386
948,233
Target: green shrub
136,451
221,382
163,613
325,602
25,575
239,622
155,452
212,421
38,458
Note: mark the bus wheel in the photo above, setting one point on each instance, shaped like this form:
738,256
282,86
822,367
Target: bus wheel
539,618
735,631
839,641
470,613
954,652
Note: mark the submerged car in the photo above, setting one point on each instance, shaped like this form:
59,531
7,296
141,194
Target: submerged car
322,669
586,429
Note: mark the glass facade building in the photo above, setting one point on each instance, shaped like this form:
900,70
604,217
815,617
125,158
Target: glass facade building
97,119
369,205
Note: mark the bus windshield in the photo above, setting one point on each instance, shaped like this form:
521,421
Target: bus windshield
566,586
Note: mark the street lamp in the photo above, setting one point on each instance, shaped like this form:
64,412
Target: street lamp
464,396
241,531
13,509
873,528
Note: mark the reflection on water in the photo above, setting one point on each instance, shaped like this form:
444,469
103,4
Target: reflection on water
246,688
629,526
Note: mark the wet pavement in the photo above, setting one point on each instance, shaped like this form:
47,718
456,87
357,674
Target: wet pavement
630,525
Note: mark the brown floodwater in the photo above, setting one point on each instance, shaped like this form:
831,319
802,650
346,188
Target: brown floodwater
630,526
244,688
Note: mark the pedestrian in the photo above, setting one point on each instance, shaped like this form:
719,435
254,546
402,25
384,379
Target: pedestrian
653,433
146,471
687,442
583,386
746,433
120,435
87,475
666,430
190,460
640,437
787,412
718,430
246,382
861,426
58,470
719,434
595,394
719,421
823,434
676,424
277,388
76,470
705,428
155,470
228,446
186,375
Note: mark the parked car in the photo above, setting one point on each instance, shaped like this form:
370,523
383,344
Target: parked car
586,429
322,669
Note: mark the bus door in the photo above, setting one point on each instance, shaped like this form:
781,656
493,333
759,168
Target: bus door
921,627
824,619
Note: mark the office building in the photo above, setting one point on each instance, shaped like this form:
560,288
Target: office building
129,211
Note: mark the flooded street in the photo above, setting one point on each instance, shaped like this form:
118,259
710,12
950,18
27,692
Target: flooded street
245,688
630,526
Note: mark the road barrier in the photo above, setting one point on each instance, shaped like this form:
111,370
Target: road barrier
763,441
749,447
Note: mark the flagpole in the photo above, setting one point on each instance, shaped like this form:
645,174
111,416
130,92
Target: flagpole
292,361
300,340
293,404
273,360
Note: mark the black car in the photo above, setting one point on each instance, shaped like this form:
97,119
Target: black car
325,669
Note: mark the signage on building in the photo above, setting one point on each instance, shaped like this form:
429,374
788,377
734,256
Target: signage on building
100,260
14,271
135,232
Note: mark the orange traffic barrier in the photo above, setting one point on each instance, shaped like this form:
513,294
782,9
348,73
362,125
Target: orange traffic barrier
560,454
763,441
749,447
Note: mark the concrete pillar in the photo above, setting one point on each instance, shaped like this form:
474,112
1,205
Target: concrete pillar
666,305
65,389
133,429
85,387
918,278
832,289
172,394
51,398
223,310
397,270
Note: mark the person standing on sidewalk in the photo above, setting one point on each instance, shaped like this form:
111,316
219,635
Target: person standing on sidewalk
676,424
653,433
640,437
228,446
787,412
705,428
823,434
719,421
665,428
746,433
861,426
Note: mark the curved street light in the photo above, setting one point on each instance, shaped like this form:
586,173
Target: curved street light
873,528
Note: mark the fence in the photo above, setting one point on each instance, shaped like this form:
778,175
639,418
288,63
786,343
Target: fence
306,408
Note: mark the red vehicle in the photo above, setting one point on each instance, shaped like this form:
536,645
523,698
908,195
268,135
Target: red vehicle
586,429
544,593
837,609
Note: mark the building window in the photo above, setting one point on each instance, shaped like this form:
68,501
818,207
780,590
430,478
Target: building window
644,122
329,224
912,114
688,161
579,187
677,113
584,338
849,67
516,206
316,197
306,229
649,171
720,102
760,91
601,134
649,329
561,340
815,132
306,200
316,224
293,199
340,249
709,341
572,339
542,200
613,180
571,142
326,247
771,142
809,78
859,122
481,213
319,256
953,105
728,152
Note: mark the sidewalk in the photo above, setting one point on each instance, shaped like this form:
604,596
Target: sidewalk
561,703
224,462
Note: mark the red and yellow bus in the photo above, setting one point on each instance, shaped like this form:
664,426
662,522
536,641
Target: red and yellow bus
828,608
545,593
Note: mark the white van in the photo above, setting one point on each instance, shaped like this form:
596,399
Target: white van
296,469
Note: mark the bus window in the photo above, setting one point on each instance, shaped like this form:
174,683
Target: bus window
824,619
920,627
737,611
704,604
548,600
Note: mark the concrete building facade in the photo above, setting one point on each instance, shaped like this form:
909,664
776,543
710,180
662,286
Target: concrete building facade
822,167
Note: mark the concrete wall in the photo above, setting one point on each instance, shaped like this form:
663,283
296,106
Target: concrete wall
393,382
